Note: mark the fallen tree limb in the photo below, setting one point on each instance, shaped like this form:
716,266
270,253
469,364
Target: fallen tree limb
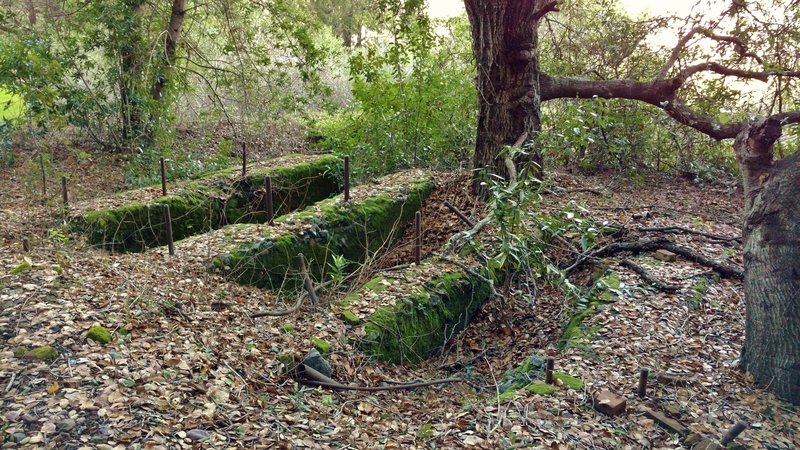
648,277
460,214
678,230
310,377
645,245
284,312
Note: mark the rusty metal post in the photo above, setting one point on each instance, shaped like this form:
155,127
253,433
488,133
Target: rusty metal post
163,178
642,390
418,237
26,245
550,364
44,177
735,431
64,195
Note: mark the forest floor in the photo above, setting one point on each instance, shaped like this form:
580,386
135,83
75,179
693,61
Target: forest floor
187,367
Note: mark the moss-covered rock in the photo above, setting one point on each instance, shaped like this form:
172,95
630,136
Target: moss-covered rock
209,203
20,351
354,230
422,316
321,345
541,388
574,383
349,317
98,334
42,353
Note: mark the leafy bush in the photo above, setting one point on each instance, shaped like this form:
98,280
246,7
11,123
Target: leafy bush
413,105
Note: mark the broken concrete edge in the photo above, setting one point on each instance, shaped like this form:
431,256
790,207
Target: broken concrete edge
576,334
423,320
206,204
354,230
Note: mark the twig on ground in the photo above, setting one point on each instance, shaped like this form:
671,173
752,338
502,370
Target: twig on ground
310,377
648,277
678,230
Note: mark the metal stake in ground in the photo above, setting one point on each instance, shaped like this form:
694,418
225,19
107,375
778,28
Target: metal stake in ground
642,390
309,285
550,363
168,230
735,430
64,195
244,159
163,179
44,177
268,199
418,237
26,246
346,178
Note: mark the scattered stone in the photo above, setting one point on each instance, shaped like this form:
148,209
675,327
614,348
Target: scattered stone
315,360
20,351
65,425
349,317
665,422
99,334
321,345
665,255
198,435
610,403
42,353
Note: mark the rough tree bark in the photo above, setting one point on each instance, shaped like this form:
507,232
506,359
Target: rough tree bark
176,19
771,350
505,44
511,87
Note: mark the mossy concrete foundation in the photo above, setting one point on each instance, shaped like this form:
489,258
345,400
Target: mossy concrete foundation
211,202
416,318
356,229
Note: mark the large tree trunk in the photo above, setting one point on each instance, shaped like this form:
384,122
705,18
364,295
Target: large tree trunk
505,44
772,260
170,46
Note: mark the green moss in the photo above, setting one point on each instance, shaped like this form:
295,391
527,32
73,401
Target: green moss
569,381
322,346
201,206
22,267
352,230
98,334
349,317
604,290
508,395
287,328
289,362
541,388
42,353
20,351
419,324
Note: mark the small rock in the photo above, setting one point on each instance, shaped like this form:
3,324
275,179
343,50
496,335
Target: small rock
198,435
65,425
321,345
98,334
18,437
315,360
42,353
610,403
665,255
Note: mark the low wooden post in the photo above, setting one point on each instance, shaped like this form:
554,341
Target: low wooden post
168,229
733,432
268,199
244,159
346,178
642,389
418,237
26,245
309,285
163,178
550,364
64,195
44,177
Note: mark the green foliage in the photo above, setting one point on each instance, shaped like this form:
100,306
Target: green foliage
414,103
98,334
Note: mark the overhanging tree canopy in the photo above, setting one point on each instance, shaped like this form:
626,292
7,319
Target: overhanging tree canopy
512,86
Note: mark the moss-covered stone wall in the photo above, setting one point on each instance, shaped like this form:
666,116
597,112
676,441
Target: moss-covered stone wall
423,318
370,221
209,203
